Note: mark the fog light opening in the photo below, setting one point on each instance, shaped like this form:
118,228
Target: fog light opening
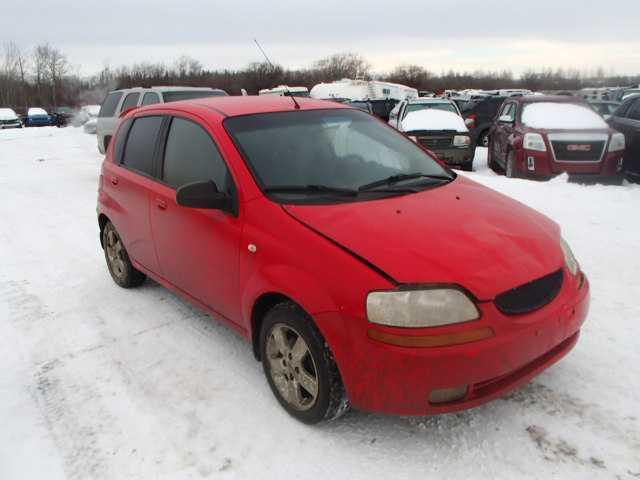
446,395
531,163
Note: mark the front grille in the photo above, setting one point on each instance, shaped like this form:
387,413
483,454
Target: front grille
436,143
8,122
530,296
577,151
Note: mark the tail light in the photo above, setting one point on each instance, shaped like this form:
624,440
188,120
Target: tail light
470,121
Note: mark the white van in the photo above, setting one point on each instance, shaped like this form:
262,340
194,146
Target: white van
120,101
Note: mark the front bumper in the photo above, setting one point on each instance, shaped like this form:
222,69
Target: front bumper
389,379
455,156
543,165
10,125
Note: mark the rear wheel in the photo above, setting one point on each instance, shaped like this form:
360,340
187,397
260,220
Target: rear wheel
299,366
120,267
483,139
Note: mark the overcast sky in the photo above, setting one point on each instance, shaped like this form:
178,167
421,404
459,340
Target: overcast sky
439,35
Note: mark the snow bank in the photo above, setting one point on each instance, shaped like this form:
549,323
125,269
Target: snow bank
432,119
561,116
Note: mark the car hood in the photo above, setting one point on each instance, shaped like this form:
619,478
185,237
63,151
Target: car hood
432,119
461,233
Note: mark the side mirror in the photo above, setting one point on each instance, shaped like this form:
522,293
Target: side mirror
203,195
505,119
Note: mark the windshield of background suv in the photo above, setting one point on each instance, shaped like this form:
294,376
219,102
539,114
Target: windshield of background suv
339,149
416,107
190,94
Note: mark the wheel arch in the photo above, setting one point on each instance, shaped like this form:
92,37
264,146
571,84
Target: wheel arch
261,306
102,221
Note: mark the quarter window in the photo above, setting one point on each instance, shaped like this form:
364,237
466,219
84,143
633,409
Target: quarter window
509,110
191,156
108,108
150,98
130,100
141,144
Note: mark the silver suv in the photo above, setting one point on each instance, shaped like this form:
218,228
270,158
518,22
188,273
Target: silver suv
120,101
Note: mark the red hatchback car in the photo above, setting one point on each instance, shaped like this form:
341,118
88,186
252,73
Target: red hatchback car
363,271
543,136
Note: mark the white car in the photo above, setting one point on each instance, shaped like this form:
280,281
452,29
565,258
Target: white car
120,101
9,119
402,109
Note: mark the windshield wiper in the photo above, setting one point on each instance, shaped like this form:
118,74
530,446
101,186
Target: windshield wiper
311,189
401,178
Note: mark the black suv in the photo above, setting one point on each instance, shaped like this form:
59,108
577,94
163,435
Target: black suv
626,119
482,112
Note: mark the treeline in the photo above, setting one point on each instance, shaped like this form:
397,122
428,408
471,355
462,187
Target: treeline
44,77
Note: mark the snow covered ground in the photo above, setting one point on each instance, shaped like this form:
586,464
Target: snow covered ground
104,383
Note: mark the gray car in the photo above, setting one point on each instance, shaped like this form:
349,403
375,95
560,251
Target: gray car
120,101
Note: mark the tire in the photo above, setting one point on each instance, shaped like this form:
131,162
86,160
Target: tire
309,388
491,163
120,267
510,167
483,139
467,167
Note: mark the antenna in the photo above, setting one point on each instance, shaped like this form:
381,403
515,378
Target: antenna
287,93
265,55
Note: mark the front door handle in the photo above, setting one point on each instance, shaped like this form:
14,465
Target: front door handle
161,204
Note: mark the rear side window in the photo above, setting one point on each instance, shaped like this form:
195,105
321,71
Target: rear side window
634,111
191,156
108,108
150,98
130,100
141,144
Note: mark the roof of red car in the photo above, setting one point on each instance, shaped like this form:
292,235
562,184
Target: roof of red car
548,98
244,105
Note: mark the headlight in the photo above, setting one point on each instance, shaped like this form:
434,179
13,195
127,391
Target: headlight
570,260
617,142
420,308
461,141
534,141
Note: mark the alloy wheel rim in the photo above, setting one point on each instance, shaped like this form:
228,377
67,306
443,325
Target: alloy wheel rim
485,140
292,367
115,253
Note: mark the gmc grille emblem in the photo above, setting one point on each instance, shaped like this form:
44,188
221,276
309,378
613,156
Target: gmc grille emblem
579,148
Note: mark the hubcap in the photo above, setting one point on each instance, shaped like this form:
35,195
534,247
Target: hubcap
115,253
291,367
485,140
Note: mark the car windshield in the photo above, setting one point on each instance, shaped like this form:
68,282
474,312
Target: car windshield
191,94
416,107
334,151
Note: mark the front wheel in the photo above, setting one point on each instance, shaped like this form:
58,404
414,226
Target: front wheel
299,366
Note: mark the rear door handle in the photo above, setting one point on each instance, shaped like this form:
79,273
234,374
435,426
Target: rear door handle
114,180
161,204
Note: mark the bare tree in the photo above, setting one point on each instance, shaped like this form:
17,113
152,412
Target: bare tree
343,65
58,65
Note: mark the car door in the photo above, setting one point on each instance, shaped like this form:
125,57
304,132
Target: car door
128,181
631,123
198,249
503,128
394,115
